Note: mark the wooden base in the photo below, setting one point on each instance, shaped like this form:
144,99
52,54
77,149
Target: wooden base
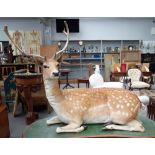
31,117
40,129
4,122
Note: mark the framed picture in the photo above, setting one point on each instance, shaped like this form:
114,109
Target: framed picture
1,47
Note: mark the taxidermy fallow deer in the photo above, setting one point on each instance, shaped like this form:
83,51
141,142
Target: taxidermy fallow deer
116,107
76,107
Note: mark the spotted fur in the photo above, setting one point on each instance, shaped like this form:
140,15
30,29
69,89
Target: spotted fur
90,105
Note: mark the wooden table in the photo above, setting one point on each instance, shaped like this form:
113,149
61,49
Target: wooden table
27,83
113,75
65,72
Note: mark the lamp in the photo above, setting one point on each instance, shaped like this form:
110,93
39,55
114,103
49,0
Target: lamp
59,44
80,42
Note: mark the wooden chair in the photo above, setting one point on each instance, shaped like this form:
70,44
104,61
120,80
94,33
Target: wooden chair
147,77
85,80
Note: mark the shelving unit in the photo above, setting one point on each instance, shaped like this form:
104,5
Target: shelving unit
92,51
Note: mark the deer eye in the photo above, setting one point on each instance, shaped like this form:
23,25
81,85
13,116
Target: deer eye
45,66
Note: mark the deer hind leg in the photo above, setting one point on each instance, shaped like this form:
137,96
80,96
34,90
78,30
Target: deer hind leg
134,125
72,127
53,120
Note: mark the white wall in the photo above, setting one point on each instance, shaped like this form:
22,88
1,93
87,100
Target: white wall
110,29
19,24
90,28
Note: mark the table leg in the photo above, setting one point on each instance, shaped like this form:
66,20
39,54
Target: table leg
67,83
30,116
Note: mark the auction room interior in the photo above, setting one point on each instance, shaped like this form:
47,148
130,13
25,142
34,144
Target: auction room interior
86,54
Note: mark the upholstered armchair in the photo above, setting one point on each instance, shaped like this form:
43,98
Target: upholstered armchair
134,76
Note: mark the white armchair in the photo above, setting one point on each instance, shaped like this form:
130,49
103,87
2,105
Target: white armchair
135,80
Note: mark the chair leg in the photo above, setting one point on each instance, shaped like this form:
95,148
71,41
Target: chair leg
78,84
87,84
7,104
59,83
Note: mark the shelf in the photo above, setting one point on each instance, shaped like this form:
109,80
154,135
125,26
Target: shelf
94,52
111,53
86,64
71,65
91,53
72,59
90,58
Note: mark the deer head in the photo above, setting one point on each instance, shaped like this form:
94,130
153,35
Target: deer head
51,65
50,70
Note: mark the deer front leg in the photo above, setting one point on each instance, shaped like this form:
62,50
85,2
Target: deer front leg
134,125
72,127
53,120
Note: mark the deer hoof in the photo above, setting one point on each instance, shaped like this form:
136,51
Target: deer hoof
85,127
109,127
48,122
58,130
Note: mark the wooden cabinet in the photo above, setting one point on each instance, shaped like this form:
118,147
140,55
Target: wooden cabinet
4,122
130,56
48,50
28,83
148,57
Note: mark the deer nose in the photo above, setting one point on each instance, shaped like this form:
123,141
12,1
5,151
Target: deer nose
56,73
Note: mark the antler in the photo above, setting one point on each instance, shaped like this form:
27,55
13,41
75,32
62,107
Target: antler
7,33
35,57
67,41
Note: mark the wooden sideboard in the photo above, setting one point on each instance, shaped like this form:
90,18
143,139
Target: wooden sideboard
4,122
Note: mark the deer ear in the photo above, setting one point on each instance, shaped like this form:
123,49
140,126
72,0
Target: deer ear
45,58
54,56
59,59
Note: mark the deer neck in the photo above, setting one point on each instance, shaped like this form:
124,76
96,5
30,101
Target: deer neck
53,92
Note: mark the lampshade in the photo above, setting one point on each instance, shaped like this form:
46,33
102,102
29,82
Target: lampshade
80,42
153,30
59,44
